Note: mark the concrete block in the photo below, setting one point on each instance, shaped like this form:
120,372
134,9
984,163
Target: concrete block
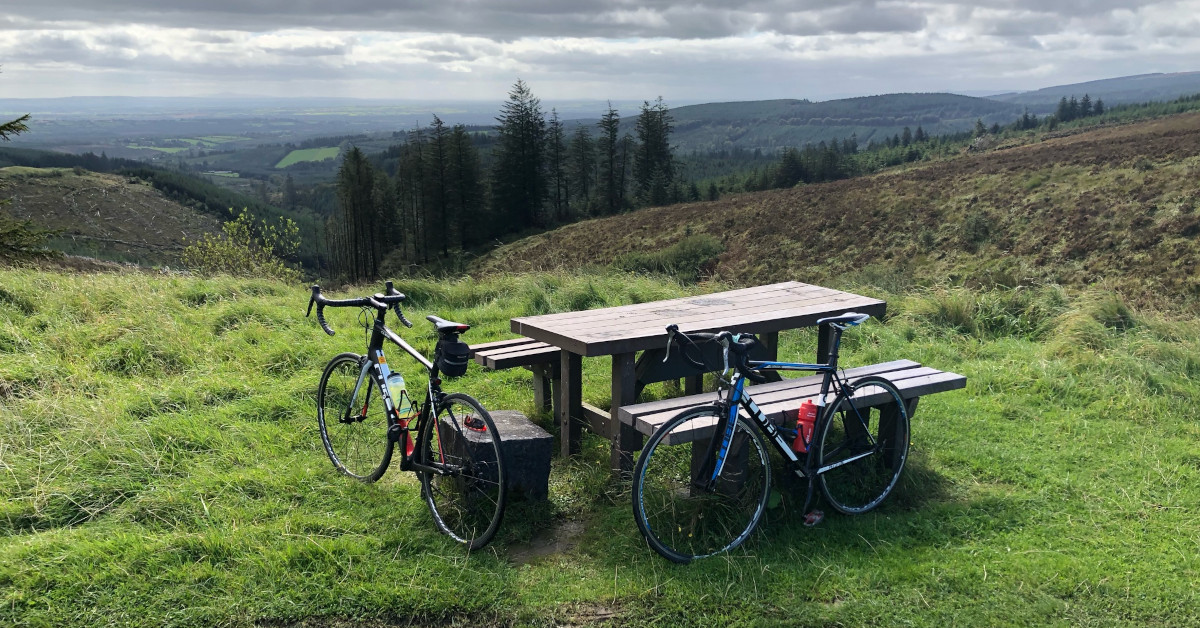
526,449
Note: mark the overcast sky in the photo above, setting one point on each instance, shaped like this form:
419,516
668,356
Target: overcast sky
683,50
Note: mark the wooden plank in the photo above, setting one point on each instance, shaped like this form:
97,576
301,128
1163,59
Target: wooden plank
923,381
499,344
631,340
603,320
740,293
541,355
703,304
595,418
628,413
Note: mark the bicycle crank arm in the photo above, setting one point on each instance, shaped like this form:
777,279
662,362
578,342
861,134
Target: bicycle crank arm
439,469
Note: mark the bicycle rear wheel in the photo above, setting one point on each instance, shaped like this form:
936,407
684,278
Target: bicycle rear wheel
682,514
862,445
467,496
353,430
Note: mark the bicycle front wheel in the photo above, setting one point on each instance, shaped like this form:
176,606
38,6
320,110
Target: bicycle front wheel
681,511
466,494
353,428
861,445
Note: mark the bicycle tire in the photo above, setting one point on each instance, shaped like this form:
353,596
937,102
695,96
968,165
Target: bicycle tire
358,446
467,503
856,474
682,520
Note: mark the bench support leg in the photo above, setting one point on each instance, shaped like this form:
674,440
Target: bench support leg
693,384
625,439
543,394
570,403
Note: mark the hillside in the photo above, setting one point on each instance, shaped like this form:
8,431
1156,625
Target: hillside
1115,205
1114,91
772,124
103,215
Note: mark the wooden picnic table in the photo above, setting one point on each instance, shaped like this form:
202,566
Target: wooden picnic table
622,332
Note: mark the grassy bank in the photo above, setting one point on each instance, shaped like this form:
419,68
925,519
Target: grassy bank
160,464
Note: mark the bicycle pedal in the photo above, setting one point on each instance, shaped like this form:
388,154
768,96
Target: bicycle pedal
813,518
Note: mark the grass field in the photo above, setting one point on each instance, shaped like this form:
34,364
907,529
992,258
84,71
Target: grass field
308,154
160,465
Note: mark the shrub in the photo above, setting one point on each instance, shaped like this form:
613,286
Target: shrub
686,260
246,248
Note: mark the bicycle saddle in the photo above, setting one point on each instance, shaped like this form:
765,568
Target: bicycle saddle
849,318
444,325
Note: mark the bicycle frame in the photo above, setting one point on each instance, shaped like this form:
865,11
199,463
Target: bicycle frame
376,365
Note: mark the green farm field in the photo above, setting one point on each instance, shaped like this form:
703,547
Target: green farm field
161,466
307,154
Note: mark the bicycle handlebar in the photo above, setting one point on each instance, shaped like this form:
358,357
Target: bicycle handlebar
378,301
739,346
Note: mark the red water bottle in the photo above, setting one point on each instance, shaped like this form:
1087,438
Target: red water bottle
806,420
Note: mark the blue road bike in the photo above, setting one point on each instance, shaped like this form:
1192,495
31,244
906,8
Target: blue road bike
703,480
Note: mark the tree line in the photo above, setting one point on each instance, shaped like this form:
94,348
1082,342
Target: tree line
445,189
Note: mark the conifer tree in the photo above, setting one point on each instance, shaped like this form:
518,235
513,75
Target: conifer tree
518,175
611,174
556,157
582,166
653,165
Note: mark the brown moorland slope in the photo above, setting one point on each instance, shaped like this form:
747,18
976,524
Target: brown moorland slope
1117,205
103,215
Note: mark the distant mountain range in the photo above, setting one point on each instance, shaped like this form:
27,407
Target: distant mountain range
121,125
1114,91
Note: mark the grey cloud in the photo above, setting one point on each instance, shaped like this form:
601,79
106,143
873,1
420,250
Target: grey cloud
1025,25
497,19
309,51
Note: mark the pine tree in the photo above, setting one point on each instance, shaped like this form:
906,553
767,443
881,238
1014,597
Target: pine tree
352,246
582,166
653,164
1098,108
518,174
980,129
474,223
556,158
609,148
906,137
289,192
1085,106
438,217
1063,112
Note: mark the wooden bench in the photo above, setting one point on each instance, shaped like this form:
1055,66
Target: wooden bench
774,398
540,358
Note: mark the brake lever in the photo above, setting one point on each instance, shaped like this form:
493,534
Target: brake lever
671,331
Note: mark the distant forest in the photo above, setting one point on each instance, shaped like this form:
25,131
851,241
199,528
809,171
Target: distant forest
443,190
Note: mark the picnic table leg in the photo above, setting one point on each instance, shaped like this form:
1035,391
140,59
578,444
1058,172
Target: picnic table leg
570,403
624,438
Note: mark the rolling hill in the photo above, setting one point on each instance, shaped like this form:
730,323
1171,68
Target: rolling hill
772,124
105,216
1118,206
1114,91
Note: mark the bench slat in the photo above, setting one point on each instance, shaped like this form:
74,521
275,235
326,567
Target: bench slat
629,413
503,354
540,355
912,382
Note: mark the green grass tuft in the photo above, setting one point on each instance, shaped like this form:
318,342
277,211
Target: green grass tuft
160,465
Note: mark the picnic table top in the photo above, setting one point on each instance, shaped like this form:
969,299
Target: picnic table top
630,328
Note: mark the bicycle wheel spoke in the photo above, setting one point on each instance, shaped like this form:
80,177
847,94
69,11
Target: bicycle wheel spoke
467,499
353,431
863,445
683,518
